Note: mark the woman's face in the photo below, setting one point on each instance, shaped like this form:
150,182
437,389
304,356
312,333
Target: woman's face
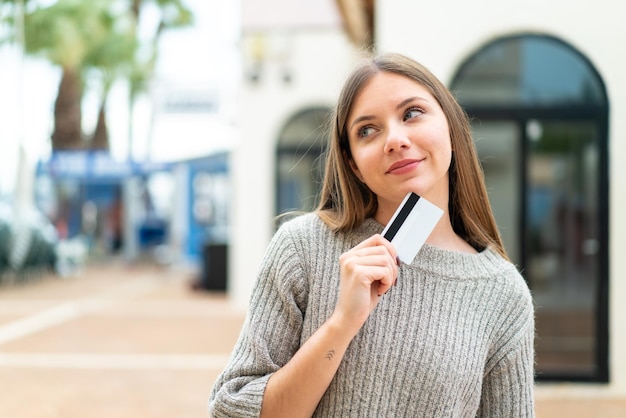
400,142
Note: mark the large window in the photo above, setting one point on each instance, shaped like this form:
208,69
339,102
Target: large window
299,160
540,116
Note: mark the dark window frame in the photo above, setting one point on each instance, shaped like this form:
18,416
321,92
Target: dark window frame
599,115
315,146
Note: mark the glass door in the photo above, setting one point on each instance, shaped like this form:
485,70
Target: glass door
562,242
544,189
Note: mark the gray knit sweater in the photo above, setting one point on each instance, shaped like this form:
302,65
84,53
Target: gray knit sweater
454,338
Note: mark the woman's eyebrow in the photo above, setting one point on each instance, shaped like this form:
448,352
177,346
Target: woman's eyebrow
409,100
360,119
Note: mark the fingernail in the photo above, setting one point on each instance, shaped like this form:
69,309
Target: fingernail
398,260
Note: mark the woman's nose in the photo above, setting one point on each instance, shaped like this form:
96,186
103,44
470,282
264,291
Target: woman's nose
396,139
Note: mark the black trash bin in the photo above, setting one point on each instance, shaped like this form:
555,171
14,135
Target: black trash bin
214,267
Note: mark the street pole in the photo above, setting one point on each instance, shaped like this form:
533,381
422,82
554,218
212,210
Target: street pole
23,194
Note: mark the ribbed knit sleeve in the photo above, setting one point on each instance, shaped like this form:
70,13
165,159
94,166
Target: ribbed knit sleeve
508,387
270,335
509,374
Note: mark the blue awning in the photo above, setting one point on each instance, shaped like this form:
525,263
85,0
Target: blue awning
95,165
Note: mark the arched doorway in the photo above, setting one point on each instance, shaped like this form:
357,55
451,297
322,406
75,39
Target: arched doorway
540,114
299,165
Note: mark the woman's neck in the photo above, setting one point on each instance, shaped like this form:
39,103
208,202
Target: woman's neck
443,236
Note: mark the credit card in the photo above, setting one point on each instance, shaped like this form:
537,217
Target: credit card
411,225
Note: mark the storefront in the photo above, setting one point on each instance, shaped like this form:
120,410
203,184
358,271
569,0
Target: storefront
169,212
543,93
543,89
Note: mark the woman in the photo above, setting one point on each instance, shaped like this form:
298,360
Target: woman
337,326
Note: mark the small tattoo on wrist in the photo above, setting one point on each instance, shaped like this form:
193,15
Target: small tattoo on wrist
330,354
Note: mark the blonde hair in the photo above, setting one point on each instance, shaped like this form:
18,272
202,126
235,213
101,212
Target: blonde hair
345,202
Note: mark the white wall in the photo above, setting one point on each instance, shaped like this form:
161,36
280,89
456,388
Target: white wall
443,34
318,60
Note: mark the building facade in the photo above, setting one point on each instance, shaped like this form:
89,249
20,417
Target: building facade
542,83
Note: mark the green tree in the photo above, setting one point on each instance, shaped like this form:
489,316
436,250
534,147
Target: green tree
173,14
95,40
124,55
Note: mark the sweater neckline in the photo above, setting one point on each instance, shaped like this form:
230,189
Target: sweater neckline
448,263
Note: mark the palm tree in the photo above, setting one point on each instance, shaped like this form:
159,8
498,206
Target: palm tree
65,33
124,55
174,14
93,37
107,61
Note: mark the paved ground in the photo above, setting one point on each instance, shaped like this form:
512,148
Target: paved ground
120,341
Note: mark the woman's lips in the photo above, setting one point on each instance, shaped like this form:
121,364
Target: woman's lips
402,167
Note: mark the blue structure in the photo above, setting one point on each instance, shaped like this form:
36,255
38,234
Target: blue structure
199,201
207,190
77,177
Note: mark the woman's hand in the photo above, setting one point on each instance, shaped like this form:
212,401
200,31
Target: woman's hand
367,272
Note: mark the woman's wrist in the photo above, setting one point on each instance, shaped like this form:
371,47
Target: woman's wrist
342,326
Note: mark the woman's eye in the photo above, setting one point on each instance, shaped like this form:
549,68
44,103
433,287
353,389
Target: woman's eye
412,113
365,131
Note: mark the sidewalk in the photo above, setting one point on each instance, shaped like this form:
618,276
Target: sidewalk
127,342
113,342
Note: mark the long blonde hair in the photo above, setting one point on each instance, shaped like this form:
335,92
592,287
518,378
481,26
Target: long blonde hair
345,202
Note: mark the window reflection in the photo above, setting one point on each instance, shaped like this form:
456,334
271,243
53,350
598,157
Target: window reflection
562,227
526,71
299,160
